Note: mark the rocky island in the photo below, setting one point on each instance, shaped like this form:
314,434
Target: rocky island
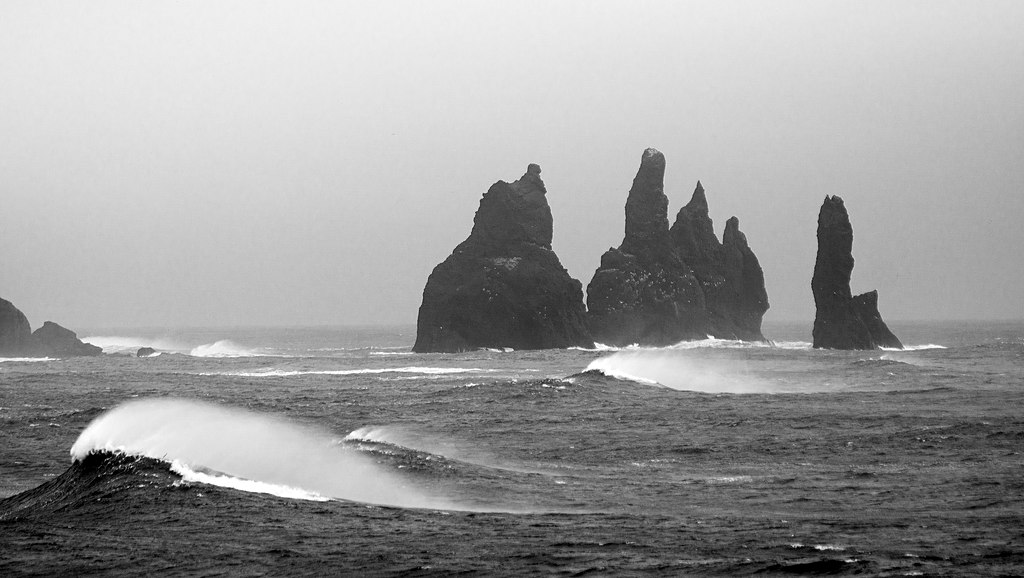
17,339
663,285
504,287
841,320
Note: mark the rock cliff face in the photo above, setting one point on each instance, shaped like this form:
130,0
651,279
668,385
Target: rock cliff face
15,332
664,285
17,339
841,320
504,286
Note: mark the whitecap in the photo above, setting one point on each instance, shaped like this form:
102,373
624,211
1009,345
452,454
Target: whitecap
916,347
224,348
246,450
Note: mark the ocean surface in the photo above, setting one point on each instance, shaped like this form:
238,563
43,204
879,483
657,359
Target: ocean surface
338,451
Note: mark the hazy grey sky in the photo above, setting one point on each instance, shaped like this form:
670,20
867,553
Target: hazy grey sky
267,163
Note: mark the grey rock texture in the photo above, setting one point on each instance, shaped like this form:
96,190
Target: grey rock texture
15,332
841,320
17,339
504,287
663,285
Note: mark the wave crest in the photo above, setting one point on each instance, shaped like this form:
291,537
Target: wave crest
224,348
668,368
244,450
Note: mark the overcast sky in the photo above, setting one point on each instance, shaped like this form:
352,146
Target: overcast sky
305,163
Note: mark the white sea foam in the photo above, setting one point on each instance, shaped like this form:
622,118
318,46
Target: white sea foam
916,347
25,359
672,369
439,371
189,475
224,348
247,451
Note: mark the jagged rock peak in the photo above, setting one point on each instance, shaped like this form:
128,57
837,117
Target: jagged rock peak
647,205
515,213
664,285
733,235
698,202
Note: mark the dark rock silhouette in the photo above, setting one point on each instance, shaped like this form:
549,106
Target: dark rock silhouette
16,337
15,331
841,320
504,286
729,273
662,285
61,342
145,352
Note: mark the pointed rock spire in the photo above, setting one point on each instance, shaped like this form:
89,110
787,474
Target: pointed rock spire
842,321
647,205
665,285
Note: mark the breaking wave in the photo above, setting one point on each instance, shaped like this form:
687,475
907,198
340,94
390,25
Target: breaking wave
224,348
916,347
667,368
247,451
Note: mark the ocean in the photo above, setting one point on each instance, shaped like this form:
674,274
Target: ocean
313,451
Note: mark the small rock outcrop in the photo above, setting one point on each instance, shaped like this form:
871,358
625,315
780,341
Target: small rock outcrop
15,332
504,287
145,352
841,320
663,285
61,342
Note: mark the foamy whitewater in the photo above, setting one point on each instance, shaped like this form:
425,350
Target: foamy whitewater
339,451
244,450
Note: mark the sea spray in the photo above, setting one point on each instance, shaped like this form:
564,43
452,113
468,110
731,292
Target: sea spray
673,369
230,446
224,348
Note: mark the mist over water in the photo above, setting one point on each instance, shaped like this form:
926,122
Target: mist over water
675,370
246,450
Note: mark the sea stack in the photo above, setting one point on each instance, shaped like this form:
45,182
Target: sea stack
504,287
17,339
663,285
841,320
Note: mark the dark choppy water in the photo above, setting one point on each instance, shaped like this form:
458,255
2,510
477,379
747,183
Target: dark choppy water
337,451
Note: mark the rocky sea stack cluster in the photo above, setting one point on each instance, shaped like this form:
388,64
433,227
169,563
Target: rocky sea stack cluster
663,285
51,340
842,320
504,287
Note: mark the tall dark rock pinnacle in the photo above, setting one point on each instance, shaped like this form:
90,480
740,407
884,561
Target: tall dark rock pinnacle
841,320
504,286
664,285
